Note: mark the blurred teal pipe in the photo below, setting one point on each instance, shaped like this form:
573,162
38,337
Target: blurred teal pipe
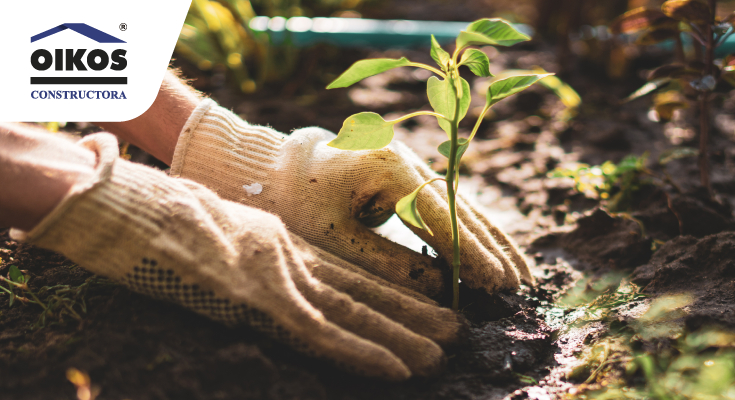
359,32
728,47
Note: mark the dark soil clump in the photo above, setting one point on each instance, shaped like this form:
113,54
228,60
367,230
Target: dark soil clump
703,268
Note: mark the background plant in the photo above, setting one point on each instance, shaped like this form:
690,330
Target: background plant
684,364
217,33
56,302
614,184
449,96
688,77
216,36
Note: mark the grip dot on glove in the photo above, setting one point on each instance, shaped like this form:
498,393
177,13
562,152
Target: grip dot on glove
163,284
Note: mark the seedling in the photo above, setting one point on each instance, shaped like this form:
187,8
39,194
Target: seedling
615,184
449,96
695,78
612,183
58,301
699,365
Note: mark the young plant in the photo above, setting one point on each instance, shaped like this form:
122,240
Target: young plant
449,96
55,301
696,77
615,184
685,364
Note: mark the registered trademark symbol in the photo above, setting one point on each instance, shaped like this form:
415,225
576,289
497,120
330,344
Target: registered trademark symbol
123,26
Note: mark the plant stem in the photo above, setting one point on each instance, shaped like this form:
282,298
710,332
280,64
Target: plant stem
422,185
16,284
428,67
417,113
451,199
37,300
704,104
455,231
697,34
477,124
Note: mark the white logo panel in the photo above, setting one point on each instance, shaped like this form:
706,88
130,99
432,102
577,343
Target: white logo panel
85,60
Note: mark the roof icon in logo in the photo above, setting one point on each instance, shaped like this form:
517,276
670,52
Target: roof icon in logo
86,30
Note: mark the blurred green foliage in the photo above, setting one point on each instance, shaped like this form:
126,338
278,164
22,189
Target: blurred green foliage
649,353
56,302
696,365
613,183
216,35
595,294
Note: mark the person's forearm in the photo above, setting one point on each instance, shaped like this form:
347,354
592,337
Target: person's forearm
157,130
37,169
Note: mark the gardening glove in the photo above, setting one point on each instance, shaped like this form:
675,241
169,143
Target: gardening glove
332,197
174,239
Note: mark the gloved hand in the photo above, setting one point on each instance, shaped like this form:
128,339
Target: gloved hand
331,197
176,240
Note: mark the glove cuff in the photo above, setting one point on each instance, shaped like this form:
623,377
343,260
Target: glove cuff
187,133
105,147
100,220
218,149
157,235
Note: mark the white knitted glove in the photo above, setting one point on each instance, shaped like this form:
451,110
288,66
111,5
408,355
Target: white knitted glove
330,197
176,240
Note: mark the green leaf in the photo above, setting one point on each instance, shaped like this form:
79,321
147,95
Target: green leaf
630,163
647,88
365,68
445,147
11,300
439,55
693,11
729,19
637,20
567,173
15,275
364,131
674,70
490,31
476,61
665,103
504,87
407,209
566,93
657,35
441,98
568,96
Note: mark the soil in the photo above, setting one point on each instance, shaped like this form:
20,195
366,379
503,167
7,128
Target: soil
672,239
